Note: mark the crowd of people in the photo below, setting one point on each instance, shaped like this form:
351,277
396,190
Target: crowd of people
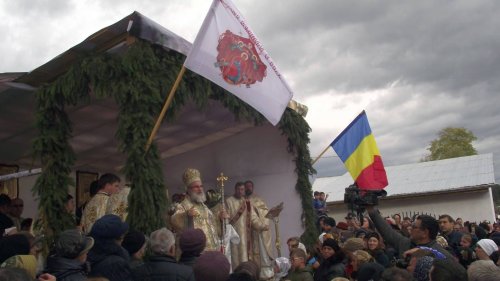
231,241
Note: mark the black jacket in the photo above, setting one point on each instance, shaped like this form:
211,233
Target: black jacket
67,269
329,269
397,240
188,260
163,268
108,259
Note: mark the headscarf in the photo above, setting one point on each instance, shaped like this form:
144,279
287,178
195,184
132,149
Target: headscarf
422,268
26,262
283,265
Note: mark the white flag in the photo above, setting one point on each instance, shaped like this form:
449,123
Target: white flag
227,53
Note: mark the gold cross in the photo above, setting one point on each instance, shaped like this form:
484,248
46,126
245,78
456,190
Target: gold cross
221,179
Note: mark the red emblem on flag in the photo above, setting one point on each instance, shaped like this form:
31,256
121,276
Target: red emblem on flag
238,60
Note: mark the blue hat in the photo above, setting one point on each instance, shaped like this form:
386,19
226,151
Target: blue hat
109,226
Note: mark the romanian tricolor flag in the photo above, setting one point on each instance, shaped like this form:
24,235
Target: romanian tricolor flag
358,150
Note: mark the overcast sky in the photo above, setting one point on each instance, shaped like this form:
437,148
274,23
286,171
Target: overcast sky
414,66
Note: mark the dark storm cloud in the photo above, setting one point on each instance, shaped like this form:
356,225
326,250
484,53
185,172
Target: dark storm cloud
370,45
438,62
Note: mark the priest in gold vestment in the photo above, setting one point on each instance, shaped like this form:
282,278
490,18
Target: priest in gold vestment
247,215
98,206
193,213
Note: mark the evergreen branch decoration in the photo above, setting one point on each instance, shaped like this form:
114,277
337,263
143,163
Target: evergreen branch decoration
52,147
138,80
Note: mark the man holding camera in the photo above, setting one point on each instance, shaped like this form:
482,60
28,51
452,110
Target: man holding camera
423,233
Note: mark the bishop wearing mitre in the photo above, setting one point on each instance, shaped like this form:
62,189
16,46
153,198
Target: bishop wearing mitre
193,213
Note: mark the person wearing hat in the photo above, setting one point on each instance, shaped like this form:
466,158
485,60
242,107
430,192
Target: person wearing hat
193,213
108,258
281,266
162,266
191,242
212,266
331,265
69,261
135,244
97,207
485,248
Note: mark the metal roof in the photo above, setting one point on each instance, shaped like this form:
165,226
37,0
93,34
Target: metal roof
425,177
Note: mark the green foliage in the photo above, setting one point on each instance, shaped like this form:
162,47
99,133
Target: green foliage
297,130
54,151
139,80
451,143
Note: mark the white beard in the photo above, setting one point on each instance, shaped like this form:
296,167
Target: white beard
197,197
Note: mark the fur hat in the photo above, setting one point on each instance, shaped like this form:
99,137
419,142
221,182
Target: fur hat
109,227
354,244
211,266
191,175
72,243
192,241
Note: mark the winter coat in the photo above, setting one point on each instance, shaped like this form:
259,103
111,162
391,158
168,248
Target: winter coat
301,274
163,268
188,260
329,269
65,269
108,259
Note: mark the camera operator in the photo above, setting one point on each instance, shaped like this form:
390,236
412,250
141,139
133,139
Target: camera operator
423,233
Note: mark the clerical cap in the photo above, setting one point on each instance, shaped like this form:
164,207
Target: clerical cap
191,175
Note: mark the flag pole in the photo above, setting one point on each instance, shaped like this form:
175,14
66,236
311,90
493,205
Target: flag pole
321,154
165,107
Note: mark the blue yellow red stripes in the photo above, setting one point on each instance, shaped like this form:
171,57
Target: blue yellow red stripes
358,150
345,143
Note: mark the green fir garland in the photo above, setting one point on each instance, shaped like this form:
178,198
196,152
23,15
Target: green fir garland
138,81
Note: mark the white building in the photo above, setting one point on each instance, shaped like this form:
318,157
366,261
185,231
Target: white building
460,187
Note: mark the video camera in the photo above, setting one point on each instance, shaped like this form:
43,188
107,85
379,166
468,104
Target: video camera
357,199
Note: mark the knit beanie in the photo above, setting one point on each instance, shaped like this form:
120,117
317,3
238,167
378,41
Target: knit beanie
332,244
133,241
211,266
192,241
488,246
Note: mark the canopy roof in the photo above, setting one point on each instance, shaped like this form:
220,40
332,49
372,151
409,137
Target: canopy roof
95,124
